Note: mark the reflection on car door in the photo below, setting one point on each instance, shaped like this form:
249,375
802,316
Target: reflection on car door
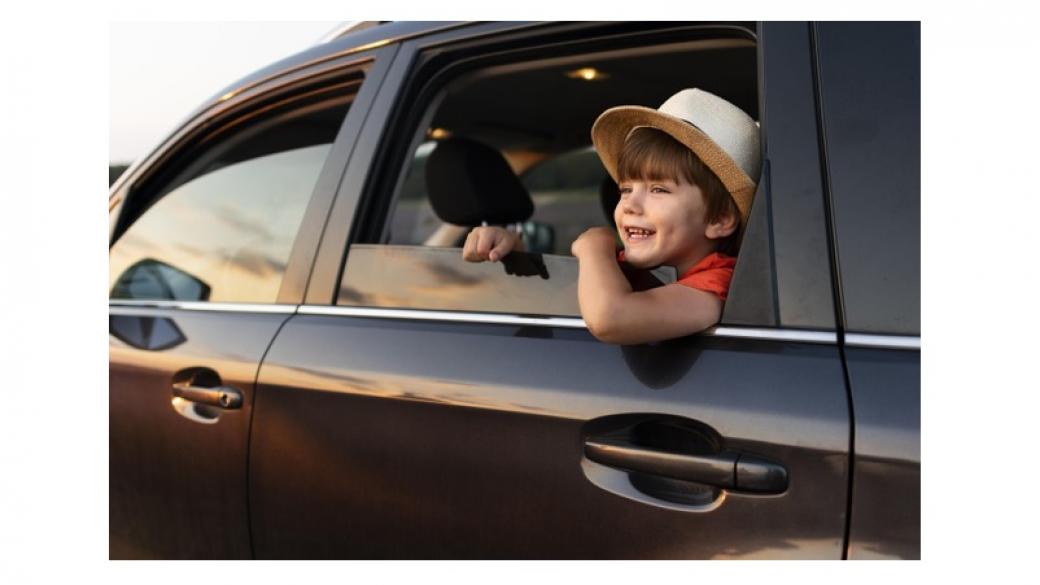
382,438
177,464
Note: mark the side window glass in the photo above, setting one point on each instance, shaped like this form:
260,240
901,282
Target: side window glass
510,145
414,221
223,227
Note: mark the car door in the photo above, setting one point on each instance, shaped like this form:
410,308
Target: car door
212,245
418,406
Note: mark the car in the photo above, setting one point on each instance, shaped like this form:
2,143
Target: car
303,366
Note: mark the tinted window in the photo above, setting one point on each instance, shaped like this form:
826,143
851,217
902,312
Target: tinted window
423,277
871,99
223,229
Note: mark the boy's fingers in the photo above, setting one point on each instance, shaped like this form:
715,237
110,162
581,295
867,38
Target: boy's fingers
501,248
469,248
484,243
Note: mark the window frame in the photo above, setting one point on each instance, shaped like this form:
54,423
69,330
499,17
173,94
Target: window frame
141,184
368,181
792,256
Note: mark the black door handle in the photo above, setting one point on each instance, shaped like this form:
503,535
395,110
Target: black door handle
729,470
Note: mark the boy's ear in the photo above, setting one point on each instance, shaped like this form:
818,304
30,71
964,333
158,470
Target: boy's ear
725,225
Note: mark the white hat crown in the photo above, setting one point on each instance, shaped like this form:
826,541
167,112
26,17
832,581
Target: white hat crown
727,125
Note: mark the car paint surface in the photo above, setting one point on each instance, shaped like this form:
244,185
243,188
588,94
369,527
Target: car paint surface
470,436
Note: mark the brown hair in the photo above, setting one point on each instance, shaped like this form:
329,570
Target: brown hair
650,154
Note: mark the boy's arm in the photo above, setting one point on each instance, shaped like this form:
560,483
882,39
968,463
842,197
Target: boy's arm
616,314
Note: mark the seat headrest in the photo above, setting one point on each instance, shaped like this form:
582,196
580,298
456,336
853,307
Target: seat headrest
469,182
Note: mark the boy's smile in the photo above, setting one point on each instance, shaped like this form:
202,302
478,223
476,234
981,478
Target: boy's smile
661,222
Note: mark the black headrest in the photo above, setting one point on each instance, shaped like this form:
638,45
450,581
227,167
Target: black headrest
469,182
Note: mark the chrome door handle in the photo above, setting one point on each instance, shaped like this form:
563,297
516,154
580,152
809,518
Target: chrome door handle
729,470
226,397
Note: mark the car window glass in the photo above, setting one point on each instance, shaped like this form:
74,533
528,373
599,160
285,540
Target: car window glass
223,230
414,220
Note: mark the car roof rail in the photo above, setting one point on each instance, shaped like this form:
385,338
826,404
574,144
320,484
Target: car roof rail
347,28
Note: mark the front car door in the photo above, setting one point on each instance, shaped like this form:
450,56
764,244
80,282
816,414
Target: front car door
212,246
438,409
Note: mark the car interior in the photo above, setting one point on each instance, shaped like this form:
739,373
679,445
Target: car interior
500,136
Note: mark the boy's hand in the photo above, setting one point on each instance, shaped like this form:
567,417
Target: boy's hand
490,243
597,240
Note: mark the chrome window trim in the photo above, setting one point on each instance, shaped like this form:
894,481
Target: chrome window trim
762,334
447,315
824,337
796,335
203,306
883,341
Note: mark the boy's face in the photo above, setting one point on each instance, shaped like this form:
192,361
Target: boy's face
661,222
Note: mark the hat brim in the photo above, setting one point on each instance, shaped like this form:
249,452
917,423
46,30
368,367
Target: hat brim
613,126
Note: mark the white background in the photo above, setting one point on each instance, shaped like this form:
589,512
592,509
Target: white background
979,309
160,72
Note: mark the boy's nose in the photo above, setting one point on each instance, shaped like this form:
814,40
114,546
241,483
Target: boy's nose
633,202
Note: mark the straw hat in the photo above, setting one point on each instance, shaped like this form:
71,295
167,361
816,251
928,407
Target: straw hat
719,133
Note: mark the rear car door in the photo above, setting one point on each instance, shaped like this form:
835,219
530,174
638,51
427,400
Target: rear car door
418,406
213,240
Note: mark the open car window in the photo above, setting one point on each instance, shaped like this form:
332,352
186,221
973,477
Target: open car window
533,116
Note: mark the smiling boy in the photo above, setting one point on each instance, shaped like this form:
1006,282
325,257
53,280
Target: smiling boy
685,173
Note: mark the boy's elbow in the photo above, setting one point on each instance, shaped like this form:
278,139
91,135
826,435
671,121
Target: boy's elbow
610,329
602,326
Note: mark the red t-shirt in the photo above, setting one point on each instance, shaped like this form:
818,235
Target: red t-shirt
711,274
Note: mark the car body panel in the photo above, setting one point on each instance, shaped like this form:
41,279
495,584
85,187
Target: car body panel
886,495
870,110
399,439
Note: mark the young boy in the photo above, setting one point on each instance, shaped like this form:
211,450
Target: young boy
686,175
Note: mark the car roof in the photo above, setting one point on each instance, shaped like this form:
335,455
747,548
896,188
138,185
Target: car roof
347,40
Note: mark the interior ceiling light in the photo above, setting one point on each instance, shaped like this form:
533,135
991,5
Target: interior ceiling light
438,133
587,73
